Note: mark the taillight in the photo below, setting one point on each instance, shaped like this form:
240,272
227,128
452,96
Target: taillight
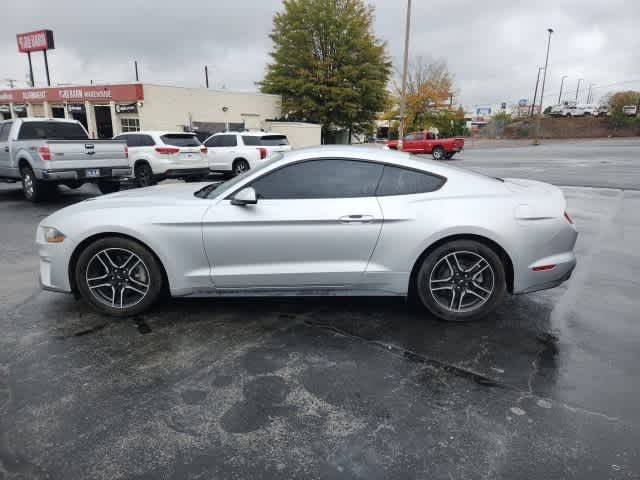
204,149
167,150
263,153
45,152
566,215
126,151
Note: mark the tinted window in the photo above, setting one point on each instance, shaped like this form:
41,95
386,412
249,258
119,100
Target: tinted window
251,140
145,141
228,141
52,130
4,131
273,140
180,140
401,181
320,179
410,137
213,141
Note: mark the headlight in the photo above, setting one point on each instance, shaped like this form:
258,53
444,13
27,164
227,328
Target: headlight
53,235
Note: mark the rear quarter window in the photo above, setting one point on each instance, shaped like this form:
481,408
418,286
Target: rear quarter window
251,140
403,181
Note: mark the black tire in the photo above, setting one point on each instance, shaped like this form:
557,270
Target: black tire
440,263
437,153
149,272
109,187
449,155
34,190
240,166
143,175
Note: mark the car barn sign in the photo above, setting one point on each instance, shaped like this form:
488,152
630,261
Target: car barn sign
35,41
127,108
130,92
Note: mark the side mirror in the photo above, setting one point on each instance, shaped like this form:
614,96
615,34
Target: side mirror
246,196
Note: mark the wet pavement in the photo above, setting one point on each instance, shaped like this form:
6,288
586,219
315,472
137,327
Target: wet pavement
547,387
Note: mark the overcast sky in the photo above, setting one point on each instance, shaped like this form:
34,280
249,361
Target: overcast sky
493,47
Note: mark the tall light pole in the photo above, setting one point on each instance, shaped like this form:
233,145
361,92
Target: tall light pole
589,93
544,79
561,85
535,92
578,88
405,66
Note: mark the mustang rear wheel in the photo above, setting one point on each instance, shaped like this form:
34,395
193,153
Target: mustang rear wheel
118,276
461,281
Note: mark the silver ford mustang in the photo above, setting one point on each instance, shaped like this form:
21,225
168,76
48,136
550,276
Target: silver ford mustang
320,221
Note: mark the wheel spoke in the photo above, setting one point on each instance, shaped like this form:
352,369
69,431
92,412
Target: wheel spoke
100,285
441,280
127,261
455,257
451,270
121,296
139,283
481,288
453,299
460,301
106,254
113,296
134,289
445,287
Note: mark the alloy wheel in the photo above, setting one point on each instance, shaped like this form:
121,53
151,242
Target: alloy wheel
241,167
462,281
117,278
27,183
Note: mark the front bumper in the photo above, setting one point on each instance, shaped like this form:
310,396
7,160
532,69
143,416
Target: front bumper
54,264
79,174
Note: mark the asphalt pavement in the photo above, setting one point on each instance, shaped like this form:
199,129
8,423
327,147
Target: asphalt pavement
547,387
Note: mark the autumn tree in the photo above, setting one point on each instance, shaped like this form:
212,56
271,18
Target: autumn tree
327,64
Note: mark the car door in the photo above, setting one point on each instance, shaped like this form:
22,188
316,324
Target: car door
5,155
315,224
222,151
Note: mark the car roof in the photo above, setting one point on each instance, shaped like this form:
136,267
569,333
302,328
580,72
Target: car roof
251,133
376,154
156,132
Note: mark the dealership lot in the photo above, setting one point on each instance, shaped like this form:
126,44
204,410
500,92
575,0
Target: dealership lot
548,387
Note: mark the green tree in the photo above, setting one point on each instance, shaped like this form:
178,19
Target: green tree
616,103
327,64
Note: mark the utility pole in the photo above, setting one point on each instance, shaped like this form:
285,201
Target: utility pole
578,88
544,79
135,65
561,85
405,66
535,93
206,76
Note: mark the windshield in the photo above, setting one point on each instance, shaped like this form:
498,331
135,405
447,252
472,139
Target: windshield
215,189
52,131
181,140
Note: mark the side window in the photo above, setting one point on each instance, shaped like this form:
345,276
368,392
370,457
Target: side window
330,178
228,141
409,138
5,128
419,136
251,140
213,142
146,141
402,181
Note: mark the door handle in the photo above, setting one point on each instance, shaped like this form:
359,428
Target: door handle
356,219
6,149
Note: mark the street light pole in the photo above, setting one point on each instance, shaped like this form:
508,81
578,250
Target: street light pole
535,92
404,76
578,88
561,85
544,79
589,93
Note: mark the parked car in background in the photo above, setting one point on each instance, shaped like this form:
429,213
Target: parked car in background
238,152
321,221
603,110
589,109
46,152
158,155
428,142
630,110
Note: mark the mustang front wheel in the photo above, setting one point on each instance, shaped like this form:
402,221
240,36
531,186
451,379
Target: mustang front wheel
461,281
118,276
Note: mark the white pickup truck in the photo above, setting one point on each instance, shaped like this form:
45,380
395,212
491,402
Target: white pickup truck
45,152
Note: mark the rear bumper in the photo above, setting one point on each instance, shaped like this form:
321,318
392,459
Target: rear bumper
79,174
186,172
552,278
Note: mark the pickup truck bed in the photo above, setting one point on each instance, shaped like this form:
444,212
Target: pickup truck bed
34,151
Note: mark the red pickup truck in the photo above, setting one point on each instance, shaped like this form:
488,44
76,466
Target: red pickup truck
421,142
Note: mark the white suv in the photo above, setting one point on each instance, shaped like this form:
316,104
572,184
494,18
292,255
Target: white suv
158,155
238,152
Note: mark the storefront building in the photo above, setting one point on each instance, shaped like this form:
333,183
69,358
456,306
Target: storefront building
107,110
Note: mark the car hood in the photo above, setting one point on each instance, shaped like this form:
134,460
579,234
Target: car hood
158,194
